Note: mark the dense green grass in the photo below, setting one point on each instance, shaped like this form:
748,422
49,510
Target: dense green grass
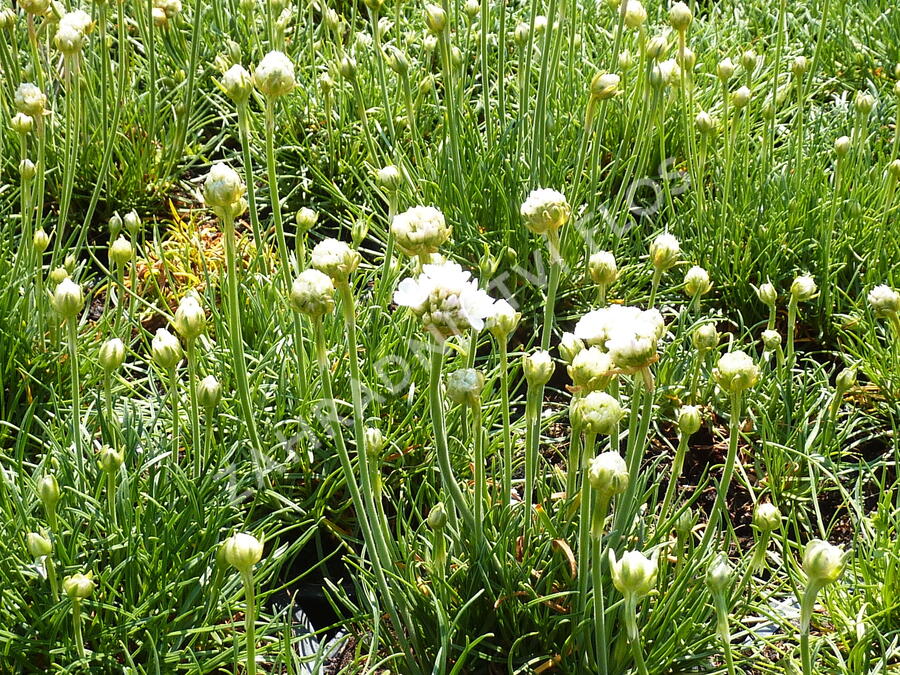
136,120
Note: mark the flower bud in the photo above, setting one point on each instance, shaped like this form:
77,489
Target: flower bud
689,420
40,241
657,47
435,19
635,14
396,60
471,8
684,526
893,170
846,379
48,491
237,84
67,300
437,517
724,70
110,460
735,372
591,369
336,259
115,226
112,354
766,517
767,294
602,268
520,35
38,545
545,211
8,18
863,103
803,289
634,574
242,551
374,441
626,60
741,97
274,75
132,222
884,301
209,392
223,187
704,122
842,146
312,293
120,251
823,562
22,123
390,178
686,59
27,169
604,86
79,586
420,231
596,413
705,337
608,474
190,320
538,368
29,100
680,16
664,252
503,320
799,66
306,219
569,347
696,282
464,386
748,60
166,350
771,340
720,574
57,274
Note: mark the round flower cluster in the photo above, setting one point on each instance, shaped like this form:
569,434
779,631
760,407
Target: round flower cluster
629,334
446,298
336,259
274,75
30,100
420,231
312,293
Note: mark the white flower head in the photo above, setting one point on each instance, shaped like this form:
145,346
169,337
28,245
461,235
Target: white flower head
884,300
664,251
629,334
77,19
446,298
336,259
602,267
237,83
503,319
736,371
312,293
30,100
223,187
420,231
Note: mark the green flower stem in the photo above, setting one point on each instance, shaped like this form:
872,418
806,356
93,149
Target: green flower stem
196,438
699,357
634,637
598,520
37,196
792,323
250,621
72,327
364,118
50,569
480,478
537,146
555,271
273,196
734,428
382,77
120,283
451,102
573,463
486,73
505,414
533,401
719,599
677,466
73,131
188,102
76,624
111,498
584,529
39,298
806,608
828,236
654,286
176,413
365,515
387,266
233,319
243,113
411,117
442,450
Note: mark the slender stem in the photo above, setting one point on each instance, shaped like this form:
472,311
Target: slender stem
196,439
734,425
654,286
176,413
807,604
634,637
76,623
244,129
273,195
677,465
250,622
549,306
792,321
533,401
584,528
50,568
505,414
723,630
72,327
598,519
111,498
480,478
233,319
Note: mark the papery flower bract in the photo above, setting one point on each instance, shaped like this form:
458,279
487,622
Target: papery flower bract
79,586
79,20
545,211
602,268
420,230
502,320
634,574
29,100
446,298
591,370
190,320
165,349
596,413
67,299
